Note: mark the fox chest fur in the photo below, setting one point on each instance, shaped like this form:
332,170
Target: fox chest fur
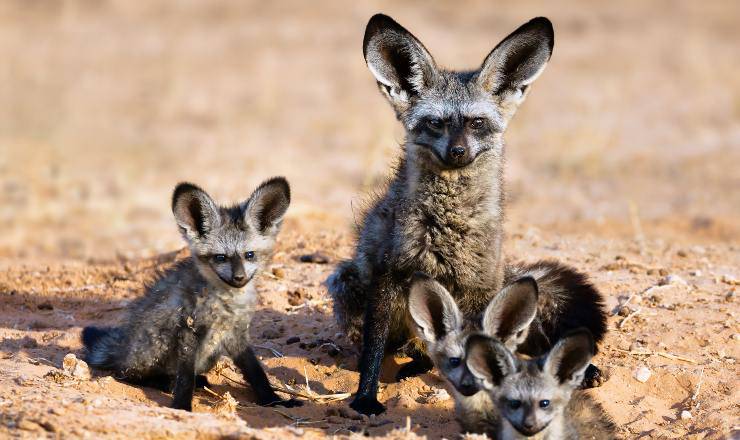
223,318
448,226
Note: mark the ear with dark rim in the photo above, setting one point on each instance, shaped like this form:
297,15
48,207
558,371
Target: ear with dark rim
400,63
195,212
570,357
266,206
488,360
510,313
432,309
518,60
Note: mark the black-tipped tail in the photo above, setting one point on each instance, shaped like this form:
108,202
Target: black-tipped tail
91,335
103,346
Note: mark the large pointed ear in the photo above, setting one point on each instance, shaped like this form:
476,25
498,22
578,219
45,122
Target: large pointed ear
488,359
400,63
510,313
570,357
195,212
432,309
266,206
518,60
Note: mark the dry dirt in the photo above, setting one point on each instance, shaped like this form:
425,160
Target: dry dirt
623,162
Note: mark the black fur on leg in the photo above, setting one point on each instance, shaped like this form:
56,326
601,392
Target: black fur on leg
252,370
376,330
348,292
187,349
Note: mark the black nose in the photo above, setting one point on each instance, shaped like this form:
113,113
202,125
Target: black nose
457,152
239,278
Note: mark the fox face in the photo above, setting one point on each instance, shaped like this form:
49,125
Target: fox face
437,320
451,117
229,244
530,394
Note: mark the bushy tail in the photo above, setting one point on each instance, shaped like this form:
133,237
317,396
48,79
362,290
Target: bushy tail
567,300
103,346
348,292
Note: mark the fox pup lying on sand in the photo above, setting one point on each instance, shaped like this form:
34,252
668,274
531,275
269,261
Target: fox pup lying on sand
442,210
201,308
537,398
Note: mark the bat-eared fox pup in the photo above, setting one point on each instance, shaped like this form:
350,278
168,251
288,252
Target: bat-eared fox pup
537,397
545,302
201,308
442,210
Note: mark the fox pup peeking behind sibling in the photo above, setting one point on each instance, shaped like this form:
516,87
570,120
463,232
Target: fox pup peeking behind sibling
538,398
201,308
442,210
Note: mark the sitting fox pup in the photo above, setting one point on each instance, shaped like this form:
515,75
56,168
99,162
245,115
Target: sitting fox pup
201,308
538,398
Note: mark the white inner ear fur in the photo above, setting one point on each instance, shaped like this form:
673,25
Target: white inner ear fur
422,292
378,76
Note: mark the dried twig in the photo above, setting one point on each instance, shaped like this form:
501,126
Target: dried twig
321,398
664,354
628,317
272,350
694,403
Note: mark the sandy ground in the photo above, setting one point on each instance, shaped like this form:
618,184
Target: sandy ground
623,163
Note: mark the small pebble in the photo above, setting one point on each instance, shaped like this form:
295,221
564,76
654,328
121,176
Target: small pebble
695,273
293,340
642,374
673,279
279,272
76,368
685,415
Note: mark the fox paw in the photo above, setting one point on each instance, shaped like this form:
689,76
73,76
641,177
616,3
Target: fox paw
594,377
367,405
413,368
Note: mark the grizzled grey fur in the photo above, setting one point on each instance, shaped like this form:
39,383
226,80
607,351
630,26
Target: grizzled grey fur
442,211
202,307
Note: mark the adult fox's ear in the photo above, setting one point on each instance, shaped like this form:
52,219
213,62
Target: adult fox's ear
432,309
195,212
400,63
516,62
510,313
267,205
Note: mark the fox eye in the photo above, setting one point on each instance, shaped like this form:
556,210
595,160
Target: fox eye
434,124
454,362
249,255
477,123
513,403
219,258
544,403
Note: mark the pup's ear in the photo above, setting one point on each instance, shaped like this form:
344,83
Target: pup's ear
570,357
400,63
432,309
265,208
517,61
195,212
510,313
488,360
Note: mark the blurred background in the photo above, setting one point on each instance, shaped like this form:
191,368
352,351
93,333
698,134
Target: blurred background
633,130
